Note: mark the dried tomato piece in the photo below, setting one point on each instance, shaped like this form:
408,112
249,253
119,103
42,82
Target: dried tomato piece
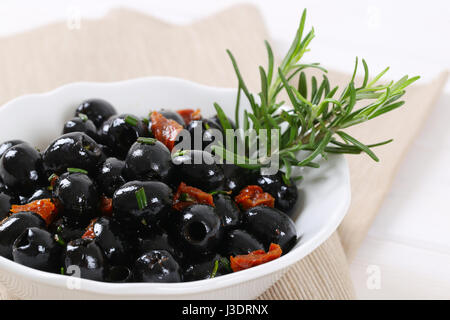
255,258
89,233
253,196
44,207
165,130
189,115
106,206
186,196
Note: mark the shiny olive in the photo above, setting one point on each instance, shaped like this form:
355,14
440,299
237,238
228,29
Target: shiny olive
149,161
286,195
72,150
21,168
120,132
85,256
119,274
158,197
205,268
238,242
110,176
13,226
8,144
67,229
36,248
270,225
81,125
6,201
227,210
197,230
42,193
110,238
97,110
157,266
202,133
198,169
236,178
159,240
78,196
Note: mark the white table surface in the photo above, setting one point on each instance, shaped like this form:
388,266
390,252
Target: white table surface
407,251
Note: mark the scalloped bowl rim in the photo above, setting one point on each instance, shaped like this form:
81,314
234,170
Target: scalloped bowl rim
165,290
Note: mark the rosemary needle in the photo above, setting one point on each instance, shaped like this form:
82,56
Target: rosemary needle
318,115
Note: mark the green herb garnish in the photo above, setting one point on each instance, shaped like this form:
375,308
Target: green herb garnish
141,198
132,121
59,240
213,193
76,170
214,271
319,115
52,177
147,140
83,117
185,197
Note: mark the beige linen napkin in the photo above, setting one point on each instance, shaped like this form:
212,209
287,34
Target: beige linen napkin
127,44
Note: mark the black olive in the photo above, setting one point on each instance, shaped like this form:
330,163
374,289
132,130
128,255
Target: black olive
110,176
42,193
157,266
197,230
110,238
149,161
126,208
203,133
72,150
198,169
227,210
97,110
171,115
6,201
8,144
36,248
236,178
285,195
270,225
120,132
159,240
13,226
84,258
78,196
205,269
119,274
107,151
21,168
239,242
67,229
81,125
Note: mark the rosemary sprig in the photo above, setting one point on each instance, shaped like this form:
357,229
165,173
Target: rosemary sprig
318,115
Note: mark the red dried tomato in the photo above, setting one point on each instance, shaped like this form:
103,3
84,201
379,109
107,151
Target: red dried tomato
253,196
165,130
44,207
255,258
186,196
106,206
89,233
189,115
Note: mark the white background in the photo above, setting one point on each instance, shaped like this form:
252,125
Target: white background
407,252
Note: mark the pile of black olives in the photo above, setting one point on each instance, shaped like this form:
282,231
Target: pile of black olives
109,198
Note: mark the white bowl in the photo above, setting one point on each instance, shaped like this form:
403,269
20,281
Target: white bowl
38,119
